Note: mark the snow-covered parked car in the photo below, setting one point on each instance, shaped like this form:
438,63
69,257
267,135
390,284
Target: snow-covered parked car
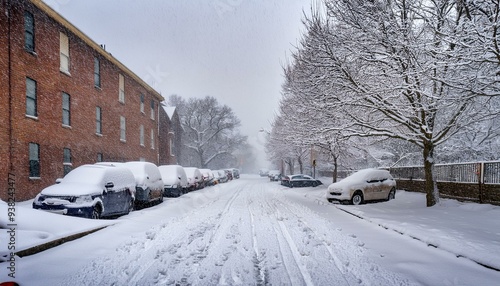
90,191
194,178
174,180
236,173
149,183
208,177
221,176
364,185
300,180
274,175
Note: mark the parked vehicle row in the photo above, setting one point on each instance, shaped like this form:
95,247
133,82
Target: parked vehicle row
109,189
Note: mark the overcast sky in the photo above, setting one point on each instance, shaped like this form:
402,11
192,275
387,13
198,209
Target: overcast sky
230,49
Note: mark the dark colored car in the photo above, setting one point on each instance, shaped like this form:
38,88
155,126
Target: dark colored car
90,191
300,180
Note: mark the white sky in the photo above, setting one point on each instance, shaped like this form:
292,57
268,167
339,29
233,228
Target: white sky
230,49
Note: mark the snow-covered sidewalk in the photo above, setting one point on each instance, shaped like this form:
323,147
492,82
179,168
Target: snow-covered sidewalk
465,229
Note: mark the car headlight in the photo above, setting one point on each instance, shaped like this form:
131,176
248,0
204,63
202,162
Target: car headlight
40,198
83,199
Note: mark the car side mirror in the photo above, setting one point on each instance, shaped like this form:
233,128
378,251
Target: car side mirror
59,180
109,185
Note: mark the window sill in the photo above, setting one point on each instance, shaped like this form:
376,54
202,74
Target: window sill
67,126
123,141
35,178
65,72
98,134
31,52
98,88
32,117
142,145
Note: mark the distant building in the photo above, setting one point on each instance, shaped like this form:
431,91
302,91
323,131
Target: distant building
65,101
170,132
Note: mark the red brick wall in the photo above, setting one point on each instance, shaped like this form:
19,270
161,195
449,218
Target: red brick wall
4,100
47,129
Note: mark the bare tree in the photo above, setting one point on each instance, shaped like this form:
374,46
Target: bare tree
407,70
210,132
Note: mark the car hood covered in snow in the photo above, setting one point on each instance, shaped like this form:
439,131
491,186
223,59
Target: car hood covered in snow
71,189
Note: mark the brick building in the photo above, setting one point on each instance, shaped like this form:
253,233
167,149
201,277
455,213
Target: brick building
171,132
65,101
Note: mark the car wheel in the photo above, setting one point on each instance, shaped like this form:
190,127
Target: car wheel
357,198
392,194
96,212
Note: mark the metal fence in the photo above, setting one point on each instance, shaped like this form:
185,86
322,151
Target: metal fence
479,172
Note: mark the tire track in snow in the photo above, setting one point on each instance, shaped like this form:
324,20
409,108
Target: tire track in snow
356,268
338,264
295,252
286,245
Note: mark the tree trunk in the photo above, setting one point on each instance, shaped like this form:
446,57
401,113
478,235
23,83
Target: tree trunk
301,165
335,169
431,190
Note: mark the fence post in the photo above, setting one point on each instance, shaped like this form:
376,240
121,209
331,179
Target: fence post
480,179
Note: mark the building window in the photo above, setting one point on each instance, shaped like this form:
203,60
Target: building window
31,105
152,139
97,73
29,32
172,147
153,109
98,120
142,103
99,157
67,161
66,112
34,160
141,132
122,129
64,52
121,91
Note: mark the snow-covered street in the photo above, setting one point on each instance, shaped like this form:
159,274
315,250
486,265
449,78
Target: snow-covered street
249,232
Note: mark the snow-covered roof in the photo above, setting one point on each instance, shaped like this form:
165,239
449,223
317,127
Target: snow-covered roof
170,110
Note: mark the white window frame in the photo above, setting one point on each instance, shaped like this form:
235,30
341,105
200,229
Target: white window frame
98,120
66,110
123,129
153,109
141,135
142,102
152,139
121,88
64,53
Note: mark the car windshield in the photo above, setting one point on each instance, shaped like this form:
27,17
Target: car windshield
85,175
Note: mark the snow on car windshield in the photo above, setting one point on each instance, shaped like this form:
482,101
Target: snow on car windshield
92,175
